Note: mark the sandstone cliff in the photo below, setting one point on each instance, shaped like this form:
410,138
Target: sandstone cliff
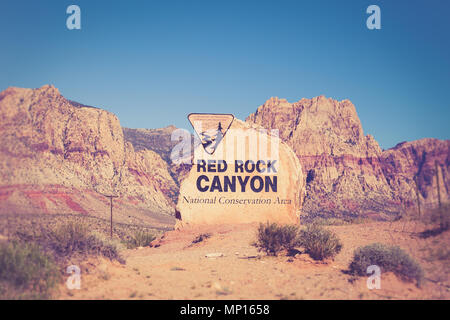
347,172
159,141
58,156
420,158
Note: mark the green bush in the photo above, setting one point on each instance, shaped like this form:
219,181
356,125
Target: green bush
201,237
388,258
69,239
318,242
140,239
72,238
330,221
26,272
272,238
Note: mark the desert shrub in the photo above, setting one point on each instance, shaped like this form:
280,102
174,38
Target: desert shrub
325,220
318,242
72,238
201,237
388,258
140,239
69,239
330,221
26,272
272,238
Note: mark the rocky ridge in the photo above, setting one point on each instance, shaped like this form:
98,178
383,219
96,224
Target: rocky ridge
347,172
59,156
159,141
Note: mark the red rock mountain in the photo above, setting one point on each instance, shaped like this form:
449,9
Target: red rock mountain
420,157
58,156
159,141
347,172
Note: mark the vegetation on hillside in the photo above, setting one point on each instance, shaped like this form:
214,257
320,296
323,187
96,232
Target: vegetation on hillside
36,252
272,238
317,241
388,258
26,272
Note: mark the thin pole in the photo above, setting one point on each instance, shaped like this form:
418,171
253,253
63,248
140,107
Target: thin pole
437,183
111,207
110,198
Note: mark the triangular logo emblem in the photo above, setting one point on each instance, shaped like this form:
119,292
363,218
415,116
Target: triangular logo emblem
210,128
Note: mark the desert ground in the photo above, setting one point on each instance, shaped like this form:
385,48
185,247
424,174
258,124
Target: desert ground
227,266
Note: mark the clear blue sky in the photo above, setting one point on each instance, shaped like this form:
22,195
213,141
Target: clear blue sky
153,62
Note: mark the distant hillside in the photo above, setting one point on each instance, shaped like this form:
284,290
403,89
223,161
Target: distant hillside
157,140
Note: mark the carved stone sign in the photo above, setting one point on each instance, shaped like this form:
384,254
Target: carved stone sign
250,176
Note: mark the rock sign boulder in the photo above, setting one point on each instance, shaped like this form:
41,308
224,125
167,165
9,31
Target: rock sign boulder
251,177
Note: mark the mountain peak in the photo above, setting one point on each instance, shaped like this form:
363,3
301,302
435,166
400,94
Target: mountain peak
275,100
49,88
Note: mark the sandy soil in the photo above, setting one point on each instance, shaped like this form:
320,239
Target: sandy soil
178,269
